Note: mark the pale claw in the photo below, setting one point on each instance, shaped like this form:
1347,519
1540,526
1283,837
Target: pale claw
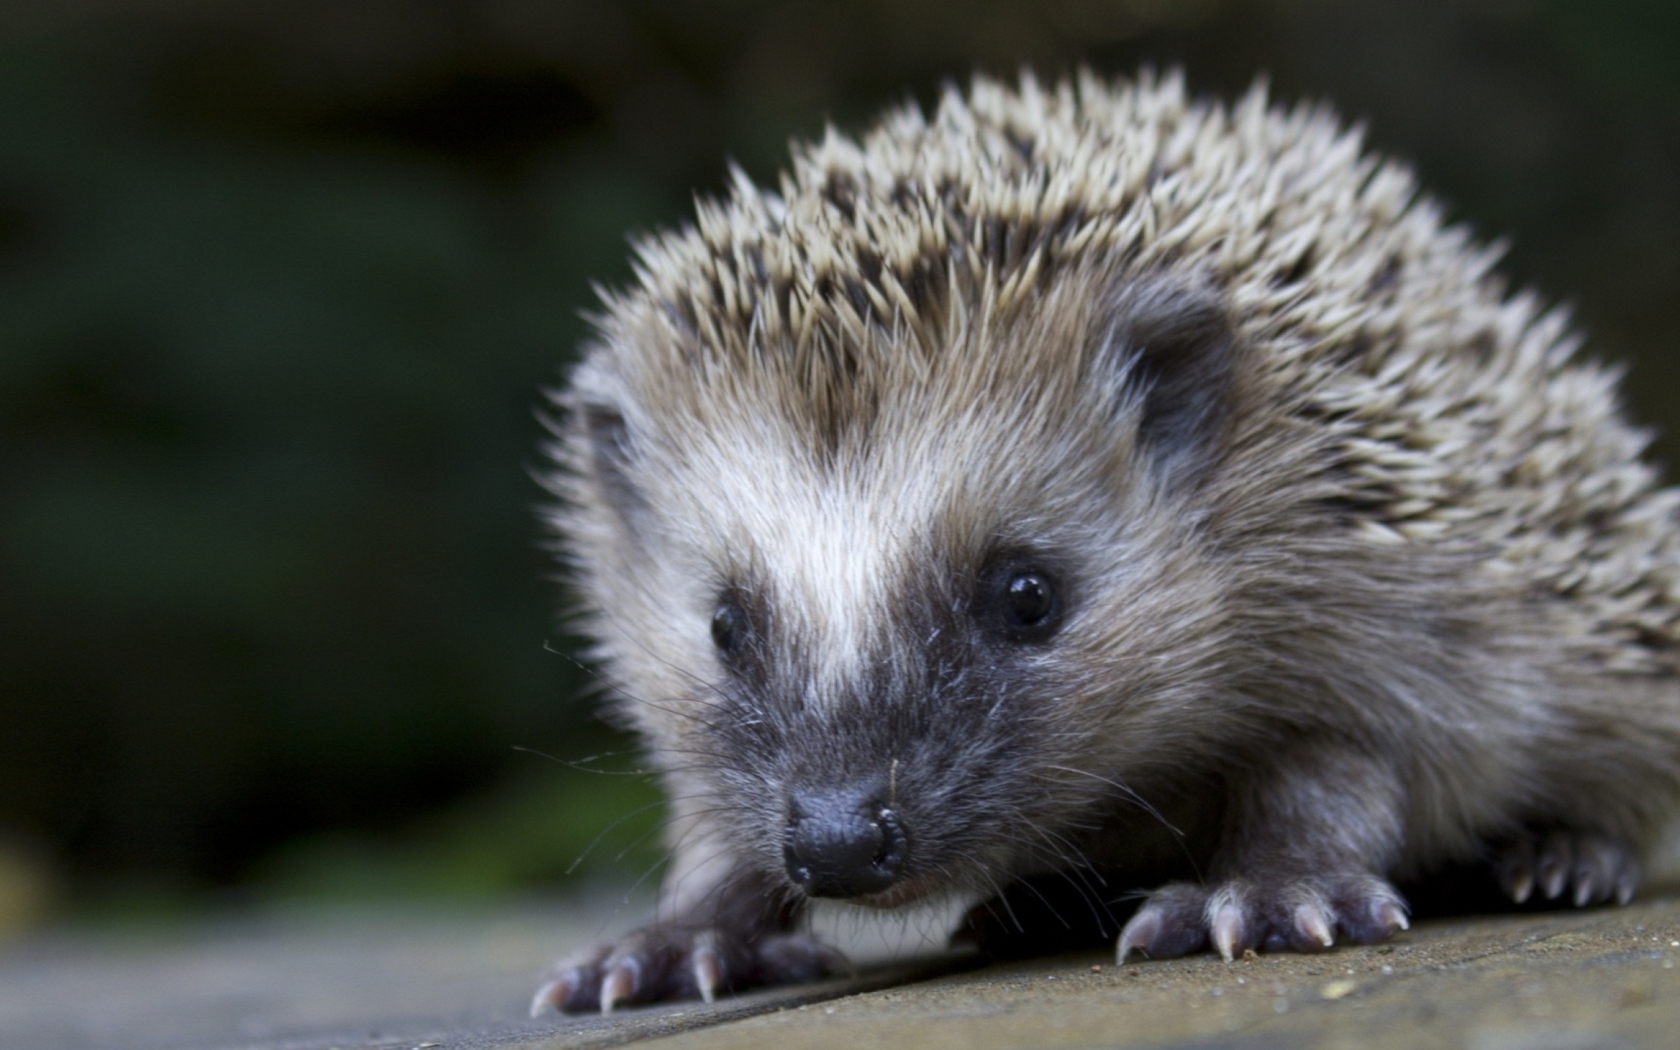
1173,922
1520,887
1225,926
1516,871
1314,924
568,988
1391,914
708,967
1627,884
1139,933
1584,887
619,985
549,997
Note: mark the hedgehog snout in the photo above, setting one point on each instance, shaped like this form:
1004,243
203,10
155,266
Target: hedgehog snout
843,842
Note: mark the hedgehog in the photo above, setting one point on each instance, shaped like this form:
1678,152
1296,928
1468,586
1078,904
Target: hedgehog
1143,518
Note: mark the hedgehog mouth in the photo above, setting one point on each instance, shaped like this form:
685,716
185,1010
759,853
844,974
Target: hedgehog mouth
907,891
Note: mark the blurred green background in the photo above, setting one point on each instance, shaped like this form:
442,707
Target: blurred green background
280,281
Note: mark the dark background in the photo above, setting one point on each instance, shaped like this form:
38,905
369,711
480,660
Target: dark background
280,283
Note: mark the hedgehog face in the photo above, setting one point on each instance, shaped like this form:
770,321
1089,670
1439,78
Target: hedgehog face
868,607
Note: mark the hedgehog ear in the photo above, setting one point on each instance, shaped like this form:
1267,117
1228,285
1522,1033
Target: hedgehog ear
1177,354
608,438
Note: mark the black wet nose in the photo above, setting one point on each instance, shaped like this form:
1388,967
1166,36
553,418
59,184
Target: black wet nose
842,845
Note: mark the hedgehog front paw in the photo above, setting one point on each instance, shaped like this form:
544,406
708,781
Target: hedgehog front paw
1587,868
661,962
1301,914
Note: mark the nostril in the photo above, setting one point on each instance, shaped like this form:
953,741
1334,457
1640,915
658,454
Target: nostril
890,857
843,847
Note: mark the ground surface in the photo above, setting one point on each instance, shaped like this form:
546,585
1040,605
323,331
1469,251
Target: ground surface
1592,980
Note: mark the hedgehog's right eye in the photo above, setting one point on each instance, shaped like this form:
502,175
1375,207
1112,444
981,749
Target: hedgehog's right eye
729,627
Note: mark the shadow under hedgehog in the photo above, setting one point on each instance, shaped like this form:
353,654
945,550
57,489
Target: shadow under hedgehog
1090,494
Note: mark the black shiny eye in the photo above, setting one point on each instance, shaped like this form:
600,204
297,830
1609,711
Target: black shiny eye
1028,600
1021,604
729,627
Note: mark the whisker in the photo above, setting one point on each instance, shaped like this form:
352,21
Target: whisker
604,832
1126,791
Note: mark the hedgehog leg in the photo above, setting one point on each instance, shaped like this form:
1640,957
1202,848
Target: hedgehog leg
739,936
1305,914
1581,869
661,962
1299,865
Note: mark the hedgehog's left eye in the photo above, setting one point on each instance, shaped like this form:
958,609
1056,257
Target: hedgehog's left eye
1029,599
1024,604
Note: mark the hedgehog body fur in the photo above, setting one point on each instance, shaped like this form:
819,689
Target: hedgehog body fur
1348,565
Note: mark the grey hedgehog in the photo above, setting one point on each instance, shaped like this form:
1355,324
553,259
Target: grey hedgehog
1104,502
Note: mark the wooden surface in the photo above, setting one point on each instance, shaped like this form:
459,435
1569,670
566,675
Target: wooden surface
1590,980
